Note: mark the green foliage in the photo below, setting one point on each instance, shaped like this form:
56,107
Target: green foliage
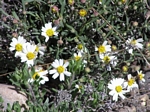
90,23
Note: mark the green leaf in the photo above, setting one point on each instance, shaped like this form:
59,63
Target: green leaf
15,15
62,3
1,10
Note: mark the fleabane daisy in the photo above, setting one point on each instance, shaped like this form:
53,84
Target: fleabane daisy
39,74
39,48
49,31
133,43
17,45
131,83
60,69
117,88
79,87
103,48
78,57
81,48
106,58
28,54
141,76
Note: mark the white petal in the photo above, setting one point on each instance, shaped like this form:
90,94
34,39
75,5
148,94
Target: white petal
42,82
61,62
121,95
30,62
74,54
55,75
77,86
55,65
111,93
62,77
45,78
139,45
66,64
96,49
46,39
115,97
67,73
139,40
104,43
11,48
43,72
52,71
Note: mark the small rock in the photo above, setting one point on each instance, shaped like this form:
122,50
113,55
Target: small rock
10,95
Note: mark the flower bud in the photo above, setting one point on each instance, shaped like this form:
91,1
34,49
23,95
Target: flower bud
15,34
135,7
4,19
87,70
114,47
135,23
125,68
15,21
55,9
70,2
56,22
60,42
82,12
83,1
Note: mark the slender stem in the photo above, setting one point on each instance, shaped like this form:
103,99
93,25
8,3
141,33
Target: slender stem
71,80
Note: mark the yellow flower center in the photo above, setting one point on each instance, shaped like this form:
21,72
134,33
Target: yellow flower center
37,49
36,75
80,46
106,59
50,32
77,58
60,69
133,42
114,47
80,87
123,1
140,76
118,89
71,2
148,44
125,68
82,12
18,47
30,55
101,49
131,82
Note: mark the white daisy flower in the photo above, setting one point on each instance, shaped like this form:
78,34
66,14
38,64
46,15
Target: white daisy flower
106,58
79,87
133,43
81,48
28,54
78,56
39,73
17,45
131,83
49,31
39,48
117,88
103,48
100,1
60,69
141,76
